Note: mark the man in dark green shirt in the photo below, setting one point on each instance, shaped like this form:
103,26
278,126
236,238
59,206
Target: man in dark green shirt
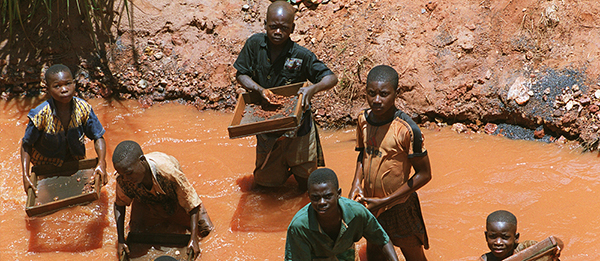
272,59
328,227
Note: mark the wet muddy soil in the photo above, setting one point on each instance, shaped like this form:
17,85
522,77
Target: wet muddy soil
531,63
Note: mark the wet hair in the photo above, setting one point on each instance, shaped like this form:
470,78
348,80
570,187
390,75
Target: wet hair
278,5
323,175
126,150
502,216
55,69
383,73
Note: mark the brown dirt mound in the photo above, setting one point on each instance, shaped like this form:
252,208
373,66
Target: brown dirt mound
506,61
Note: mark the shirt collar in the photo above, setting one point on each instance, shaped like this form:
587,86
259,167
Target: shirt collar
288,45
347,215
155,184
53,106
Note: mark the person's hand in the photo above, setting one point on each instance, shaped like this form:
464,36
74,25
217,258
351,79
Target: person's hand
356,193
28,184
268,95
307,94
372,204
122,247
193,248
101,170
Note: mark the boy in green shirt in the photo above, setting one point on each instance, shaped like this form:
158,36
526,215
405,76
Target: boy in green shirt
328,227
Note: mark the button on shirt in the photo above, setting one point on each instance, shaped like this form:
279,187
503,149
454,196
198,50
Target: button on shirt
295,64
50,141
307,241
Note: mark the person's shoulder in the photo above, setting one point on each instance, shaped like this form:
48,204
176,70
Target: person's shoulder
256,38
404,120
362,116
301,50
39,108
160,158
300,219
355,207
82,105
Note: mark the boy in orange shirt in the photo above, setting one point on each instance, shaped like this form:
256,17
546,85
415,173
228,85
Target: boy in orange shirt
390,144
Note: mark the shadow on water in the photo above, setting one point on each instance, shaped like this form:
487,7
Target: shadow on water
267,209
77,229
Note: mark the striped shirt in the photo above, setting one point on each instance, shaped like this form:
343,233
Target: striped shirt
51,143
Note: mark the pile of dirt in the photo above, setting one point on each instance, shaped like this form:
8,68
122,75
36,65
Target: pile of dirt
521,62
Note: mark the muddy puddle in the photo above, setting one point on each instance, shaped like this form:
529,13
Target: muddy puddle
552,189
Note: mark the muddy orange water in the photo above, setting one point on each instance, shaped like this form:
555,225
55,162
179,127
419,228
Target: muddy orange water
552,189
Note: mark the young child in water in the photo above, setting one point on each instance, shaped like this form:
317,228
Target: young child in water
56,128
159,194
503,239
390,144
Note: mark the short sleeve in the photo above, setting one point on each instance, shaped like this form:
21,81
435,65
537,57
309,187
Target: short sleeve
186,194
416,145
317,69
243,63
297,247
32,134
360,142
93,127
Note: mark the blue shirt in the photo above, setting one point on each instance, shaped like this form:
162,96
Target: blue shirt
307,241
50,142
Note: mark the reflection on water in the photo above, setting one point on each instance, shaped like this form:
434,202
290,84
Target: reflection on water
267,209
77,229
551,189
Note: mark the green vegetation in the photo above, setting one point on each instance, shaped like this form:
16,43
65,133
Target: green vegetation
95,13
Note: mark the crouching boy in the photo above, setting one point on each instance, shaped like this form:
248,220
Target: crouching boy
160,192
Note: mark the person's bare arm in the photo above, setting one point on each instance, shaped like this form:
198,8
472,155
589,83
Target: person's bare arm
249,84
100,147
356,191
326,83
193,247
421,177
389,252
198,215
120,219
25,166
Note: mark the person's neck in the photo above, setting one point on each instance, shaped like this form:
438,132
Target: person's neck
62,106
386,117
275,50
331,218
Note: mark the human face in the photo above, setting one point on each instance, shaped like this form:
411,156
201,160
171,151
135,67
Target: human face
324,198
61,87
502,238
381,97
279,26
133,171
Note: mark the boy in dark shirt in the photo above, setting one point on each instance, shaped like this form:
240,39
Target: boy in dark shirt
272,59
56,129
